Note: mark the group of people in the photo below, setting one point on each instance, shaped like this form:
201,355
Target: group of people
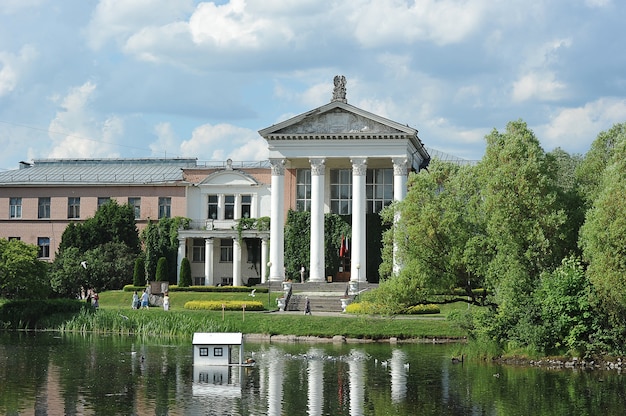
143,302
92,298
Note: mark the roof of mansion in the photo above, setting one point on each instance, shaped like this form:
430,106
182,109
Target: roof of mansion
97,171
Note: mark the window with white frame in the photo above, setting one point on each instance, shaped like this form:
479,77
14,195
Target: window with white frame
213,202
43,245
303,190
341,191
15,207
165,207
136,204
226,250
378,189
198,250
229,207
43,207
73,207
246,206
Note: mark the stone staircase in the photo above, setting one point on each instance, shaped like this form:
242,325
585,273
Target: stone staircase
323,297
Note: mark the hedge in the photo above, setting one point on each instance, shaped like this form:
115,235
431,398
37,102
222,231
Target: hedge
175,288
231,305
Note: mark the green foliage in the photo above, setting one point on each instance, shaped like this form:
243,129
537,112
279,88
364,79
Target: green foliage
139,272
335,227
602,236
297,243
161,270
111,223
230,305
185,273
22,275
25,314
393,296
161,240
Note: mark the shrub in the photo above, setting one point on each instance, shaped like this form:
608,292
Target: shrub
185,273
161,270
231,305
422,309
139,273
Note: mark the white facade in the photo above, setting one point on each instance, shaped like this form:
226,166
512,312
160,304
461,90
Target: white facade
337,136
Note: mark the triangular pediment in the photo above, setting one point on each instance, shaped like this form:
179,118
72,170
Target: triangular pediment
338,118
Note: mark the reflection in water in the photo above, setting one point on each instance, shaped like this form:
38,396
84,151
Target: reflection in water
357,381
315,368
398,370
87,375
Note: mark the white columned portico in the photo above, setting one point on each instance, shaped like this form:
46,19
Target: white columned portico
263,260
400,172
208,261
317,267
236,262
179,257
277,221
358,269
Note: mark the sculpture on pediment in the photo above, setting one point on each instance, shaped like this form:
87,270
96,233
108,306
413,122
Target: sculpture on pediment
339,93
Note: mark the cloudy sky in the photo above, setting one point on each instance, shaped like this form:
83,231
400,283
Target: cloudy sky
185,78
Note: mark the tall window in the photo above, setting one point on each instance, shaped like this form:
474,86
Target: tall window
43,244
246,206
15,207
73,207
165,207
378,189
226,250
43,209
197,254
341,191
229,207
136,204
213,206
303,190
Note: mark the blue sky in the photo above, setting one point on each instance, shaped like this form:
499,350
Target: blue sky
184,78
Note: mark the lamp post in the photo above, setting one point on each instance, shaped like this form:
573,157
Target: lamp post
358,277
269,284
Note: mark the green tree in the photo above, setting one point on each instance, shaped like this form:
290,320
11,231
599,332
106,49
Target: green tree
185,273
161,271
602,236
161,240
139,272
22,275
589,173
111,223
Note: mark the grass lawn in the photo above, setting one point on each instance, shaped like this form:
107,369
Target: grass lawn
116,315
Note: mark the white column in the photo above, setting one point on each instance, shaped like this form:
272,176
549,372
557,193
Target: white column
275,383
358,269
179,257
400,173
208,261
237,212
263,259
317,266
221,200
277,220
236,262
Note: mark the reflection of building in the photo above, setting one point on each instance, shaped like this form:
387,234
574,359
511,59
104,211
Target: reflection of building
335,158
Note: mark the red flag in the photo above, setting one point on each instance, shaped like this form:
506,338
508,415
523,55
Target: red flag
342,248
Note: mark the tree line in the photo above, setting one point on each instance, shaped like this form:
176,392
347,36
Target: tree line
536,238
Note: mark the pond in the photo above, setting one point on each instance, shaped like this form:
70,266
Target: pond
49,373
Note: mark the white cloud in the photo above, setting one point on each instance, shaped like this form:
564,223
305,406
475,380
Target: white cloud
12,66
209,141
573,129
597,3
377,22
119,19
538,86
76,132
